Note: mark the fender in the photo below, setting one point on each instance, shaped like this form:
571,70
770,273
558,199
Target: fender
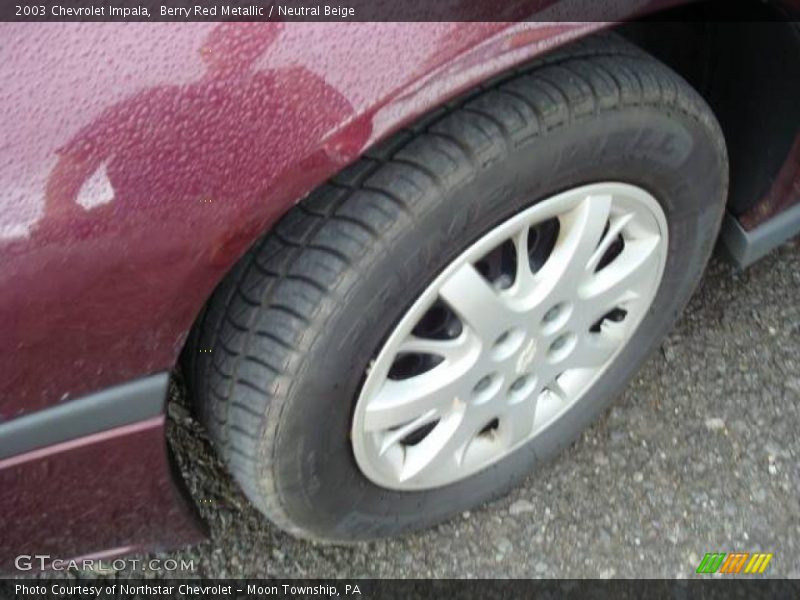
142,160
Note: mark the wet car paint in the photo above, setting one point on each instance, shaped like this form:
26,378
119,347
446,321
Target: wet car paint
129,189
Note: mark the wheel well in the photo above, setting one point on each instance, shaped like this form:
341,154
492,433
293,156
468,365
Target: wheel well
747,71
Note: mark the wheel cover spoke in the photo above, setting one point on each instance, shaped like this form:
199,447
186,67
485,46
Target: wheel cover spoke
400,402
632,265
516,423
582,228
478,305
527,344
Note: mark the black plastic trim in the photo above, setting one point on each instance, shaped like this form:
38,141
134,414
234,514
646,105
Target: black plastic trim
112,407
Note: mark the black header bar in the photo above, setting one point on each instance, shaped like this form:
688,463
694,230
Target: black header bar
376,10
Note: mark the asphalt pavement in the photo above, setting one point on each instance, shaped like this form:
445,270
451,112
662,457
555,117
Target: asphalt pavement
701,454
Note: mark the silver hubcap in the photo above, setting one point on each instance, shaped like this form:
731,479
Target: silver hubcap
509,336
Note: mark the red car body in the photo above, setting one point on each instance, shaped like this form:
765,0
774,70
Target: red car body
138,162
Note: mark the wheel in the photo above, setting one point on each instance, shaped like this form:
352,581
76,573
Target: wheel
421,332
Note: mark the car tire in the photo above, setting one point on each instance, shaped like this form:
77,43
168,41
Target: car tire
295,328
